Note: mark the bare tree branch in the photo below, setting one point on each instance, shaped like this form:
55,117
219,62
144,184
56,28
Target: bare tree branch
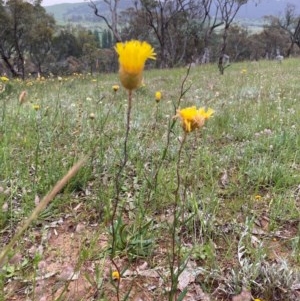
113,25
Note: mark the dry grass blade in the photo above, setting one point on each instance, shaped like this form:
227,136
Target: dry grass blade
41,206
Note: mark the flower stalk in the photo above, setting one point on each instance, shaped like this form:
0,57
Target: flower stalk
132,58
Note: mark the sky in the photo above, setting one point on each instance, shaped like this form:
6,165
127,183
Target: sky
51,2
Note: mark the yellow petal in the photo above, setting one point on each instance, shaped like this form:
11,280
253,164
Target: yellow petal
132,57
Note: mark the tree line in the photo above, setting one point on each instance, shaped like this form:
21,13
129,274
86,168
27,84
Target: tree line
181,31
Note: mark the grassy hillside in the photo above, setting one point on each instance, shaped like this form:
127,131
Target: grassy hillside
212,214
253,11
63,12
67,11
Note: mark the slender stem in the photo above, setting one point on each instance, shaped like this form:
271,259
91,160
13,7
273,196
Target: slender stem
37,150
178,165
176,253
118,189
156,116
170,130
127,127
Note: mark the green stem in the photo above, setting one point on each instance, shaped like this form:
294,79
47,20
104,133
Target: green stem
176,253
170,130
118,189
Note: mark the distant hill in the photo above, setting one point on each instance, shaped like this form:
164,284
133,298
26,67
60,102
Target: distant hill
81,12
257,9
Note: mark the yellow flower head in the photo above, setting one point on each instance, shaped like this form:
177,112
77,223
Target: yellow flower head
115,88
157,96
192,119
115,275
4,79
36,107
132,57
244,71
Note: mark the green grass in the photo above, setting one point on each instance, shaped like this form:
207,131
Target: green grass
239,175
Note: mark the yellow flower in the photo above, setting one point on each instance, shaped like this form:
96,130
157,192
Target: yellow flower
206,114
244,71
192,119
4,78
115,88
36,107
115,275
157,96
258,197
132,57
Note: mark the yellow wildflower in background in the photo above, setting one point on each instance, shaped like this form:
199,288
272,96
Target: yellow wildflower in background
115,88
4,78
115,275
192,119
36,107
157,96
132,57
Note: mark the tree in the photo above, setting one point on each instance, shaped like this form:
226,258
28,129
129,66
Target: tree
90,55
159,16
6,41
238,43
257,46
97,38
228,10
112,24
177,26
106,39
209,22
19,20
290,23
40,37
88,45
133,25
276,39
65,45
17,17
